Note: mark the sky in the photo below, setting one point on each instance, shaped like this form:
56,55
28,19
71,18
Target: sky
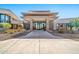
64,10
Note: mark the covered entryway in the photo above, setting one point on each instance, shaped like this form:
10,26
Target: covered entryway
39,20
39,25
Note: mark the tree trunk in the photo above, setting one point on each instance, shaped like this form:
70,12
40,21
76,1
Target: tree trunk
71,30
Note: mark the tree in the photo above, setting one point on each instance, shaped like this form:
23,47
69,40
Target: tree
73,23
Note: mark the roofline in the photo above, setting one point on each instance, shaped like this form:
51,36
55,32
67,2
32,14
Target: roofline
9,11
39,10
24,13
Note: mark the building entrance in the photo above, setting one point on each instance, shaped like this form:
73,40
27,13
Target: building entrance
39,25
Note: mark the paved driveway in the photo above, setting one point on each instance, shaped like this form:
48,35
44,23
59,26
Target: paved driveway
53,44
40,34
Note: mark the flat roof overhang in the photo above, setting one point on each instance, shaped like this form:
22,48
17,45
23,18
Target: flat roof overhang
37,14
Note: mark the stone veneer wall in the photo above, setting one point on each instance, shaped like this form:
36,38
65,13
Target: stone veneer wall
51,25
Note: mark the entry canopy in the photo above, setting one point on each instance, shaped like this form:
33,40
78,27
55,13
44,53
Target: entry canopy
39,13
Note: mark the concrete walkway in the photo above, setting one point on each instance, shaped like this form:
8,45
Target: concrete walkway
25,45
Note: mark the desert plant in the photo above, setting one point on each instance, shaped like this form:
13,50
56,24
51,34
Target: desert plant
73,23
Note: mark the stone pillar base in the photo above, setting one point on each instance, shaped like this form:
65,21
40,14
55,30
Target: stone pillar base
31,26
31,30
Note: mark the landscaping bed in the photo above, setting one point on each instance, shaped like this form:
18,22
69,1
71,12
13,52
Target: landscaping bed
66,35
5,36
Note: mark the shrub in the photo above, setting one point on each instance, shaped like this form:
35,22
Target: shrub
5,25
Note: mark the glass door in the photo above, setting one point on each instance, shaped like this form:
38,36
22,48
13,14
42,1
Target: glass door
39,25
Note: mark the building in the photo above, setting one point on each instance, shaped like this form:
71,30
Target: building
61,22
7,16
39,20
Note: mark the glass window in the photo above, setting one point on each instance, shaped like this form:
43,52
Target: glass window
2,18
7,18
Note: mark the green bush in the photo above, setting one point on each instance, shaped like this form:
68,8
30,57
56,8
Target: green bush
5,25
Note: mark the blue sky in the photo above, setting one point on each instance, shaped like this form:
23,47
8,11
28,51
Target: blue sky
64,10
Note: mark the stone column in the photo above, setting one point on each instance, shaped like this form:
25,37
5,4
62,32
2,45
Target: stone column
47,25
31,25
